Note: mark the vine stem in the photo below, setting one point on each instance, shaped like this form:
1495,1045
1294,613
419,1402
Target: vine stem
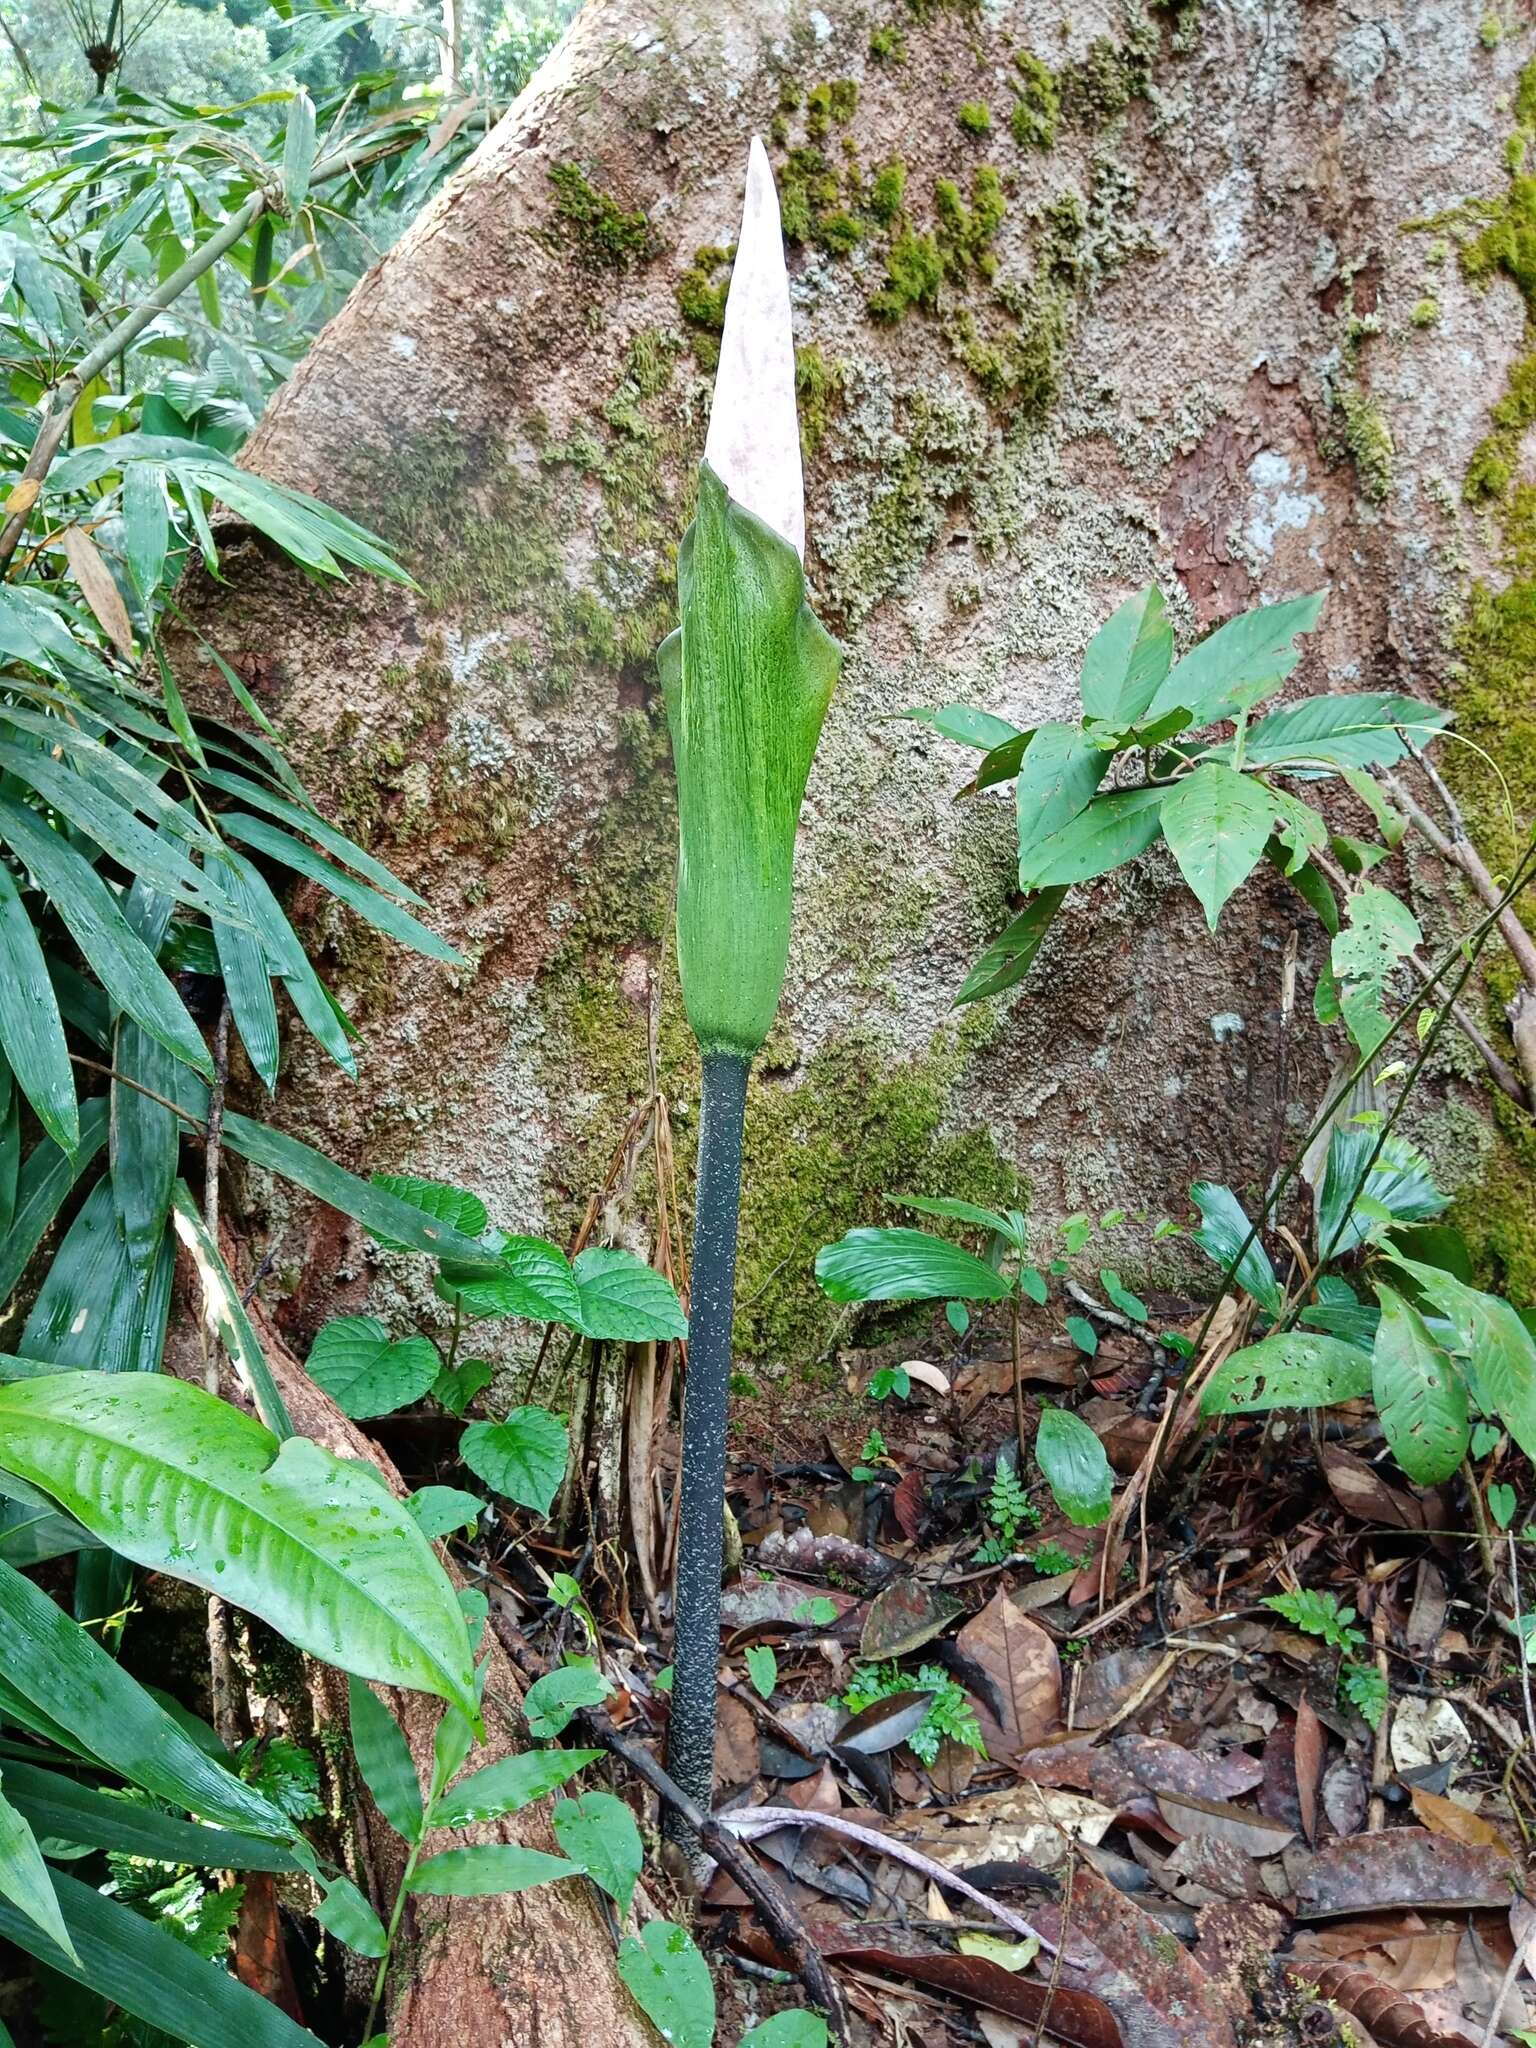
701,1479
396,1914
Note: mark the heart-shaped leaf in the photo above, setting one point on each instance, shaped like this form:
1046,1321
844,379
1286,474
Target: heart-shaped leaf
365,1374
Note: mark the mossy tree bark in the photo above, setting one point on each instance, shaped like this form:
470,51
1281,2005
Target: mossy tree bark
1081,303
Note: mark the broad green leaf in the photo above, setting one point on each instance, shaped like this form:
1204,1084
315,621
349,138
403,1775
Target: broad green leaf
670,1982
384,1759
63,1809
134,1963
960,1212
1216,823
788,2030
1057,779
522,1276
552,1700
375,1208
1309,882
1012,953
438,1510
511,1783
124,964
144,1142
456,1207
298,150
1420,1396
625,1300
762,1668
381,911
488,1870
344,1912
523,1457
1242,661
960,722
307,821
905,1265
1000,764
51,1665
597,1831
1291,1371
1223,1227
364,1373
181,1482
1128,1303
1502,1350
1358,730
1076,1469
24,1878
1127,659
1382,931
457,1388
1399,1187
1114,829
31,1030
224,1313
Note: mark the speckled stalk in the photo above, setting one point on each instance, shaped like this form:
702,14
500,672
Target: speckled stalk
706,1398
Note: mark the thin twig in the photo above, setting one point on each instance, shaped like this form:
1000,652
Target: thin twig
1520,1637
1516,1964
126,1080
1054,1985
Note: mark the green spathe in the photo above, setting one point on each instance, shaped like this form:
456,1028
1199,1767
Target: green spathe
747,678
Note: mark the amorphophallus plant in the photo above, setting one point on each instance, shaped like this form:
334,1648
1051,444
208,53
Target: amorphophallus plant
747,678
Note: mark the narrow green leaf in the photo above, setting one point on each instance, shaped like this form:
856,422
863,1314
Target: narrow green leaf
144,1142
1420,1396
1361,729
64,1809
24,1878
347,1914
181,1482
135,1964
224,1313
147,525
298,149
510,1784
286,957
1291,1371
247,976
371,1206
960,1212
905,1265
84,1292
670,1982
598,1833
1012,953
384,1759
523,1457
31,1029
380,911
488,1871
309,822
51,1664
123,962
46,1177
965,725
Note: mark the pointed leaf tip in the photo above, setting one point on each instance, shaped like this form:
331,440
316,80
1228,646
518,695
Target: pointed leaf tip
753,444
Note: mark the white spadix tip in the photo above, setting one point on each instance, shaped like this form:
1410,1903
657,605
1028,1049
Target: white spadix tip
753,444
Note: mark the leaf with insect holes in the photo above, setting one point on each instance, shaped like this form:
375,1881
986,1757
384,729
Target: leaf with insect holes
353,1360
597,1831
1295,1370
1382,931
1076,1469
1420,1395
523,1457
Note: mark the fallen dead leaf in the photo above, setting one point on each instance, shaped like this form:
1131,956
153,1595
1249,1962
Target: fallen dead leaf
1426,1732
925,1374
1344,1796
1075,2016
1157,1991
904,1617
1109,1682
1020,1660
1023,1823
1480,1983
1216,1868
1253,1833
907,1504
1402,1867
736,1750
1311,1750
1446,1817
1162,1766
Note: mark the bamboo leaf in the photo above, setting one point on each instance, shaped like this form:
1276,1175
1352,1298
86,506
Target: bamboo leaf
24,1878
31,1029
46,1177
379,910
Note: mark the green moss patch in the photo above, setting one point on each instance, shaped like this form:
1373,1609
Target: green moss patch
602,234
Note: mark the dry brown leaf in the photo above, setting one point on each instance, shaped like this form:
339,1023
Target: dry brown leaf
1155,1988
736,1747
23,498
1023,1823
925,1374
1480,1982
1311,1749
1402,1867
97,588
1109,1682
1344,1796
1361,1491
1446,1817
1253,1833
904,1617
1214,1867
1020,1659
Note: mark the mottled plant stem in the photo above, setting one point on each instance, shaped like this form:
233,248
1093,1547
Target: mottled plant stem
701,1514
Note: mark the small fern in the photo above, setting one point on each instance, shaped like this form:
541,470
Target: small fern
950,1713
1319,1614
1362,1687
1009,1508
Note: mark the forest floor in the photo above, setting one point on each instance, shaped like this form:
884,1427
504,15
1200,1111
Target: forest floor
1175,1824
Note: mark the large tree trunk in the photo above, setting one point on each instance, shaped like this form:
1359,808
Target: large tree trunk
1200,344
1197,346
